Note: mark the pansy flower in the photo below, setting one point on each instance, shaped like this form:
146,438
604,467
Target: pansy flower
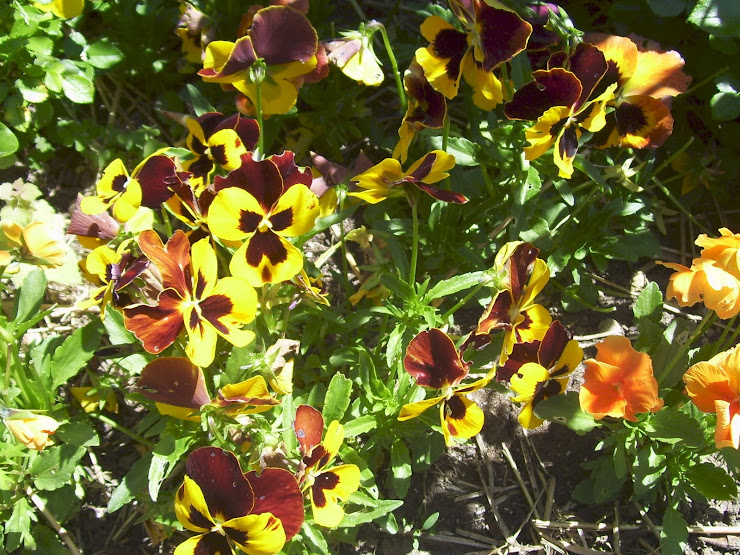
714,386
34,243
227,508
513,308
426,108
646,79
492,36
31,429
387,179
327,485
354,55
193,298
540,369
564,103
217,140
262,203
434,361
285,42
714,277
619,382
148,185
194,29
66,9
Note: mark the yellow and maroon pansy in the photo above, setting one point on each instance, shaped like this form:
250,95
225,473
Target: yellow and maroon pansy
426,108
193,298
327,487
513,309
227,508
434,362
150,185
262,203
176,385
217,140
540,369
492,36
564,101
646,80
387,179
250,396
285,44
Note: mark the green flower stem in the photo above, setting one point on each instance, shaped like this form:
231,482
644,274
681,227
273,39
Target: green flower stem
166,221
508,92
116,426
670,159
731,341
680,206
358,9
718,345
446,132
414,202
462,301
257,74
394,63
709,317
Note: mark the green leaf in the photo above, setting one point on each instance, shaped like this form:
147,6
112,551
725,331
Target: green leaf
31,296
80,434
315,538
456,284
667,8
650,303
102,54
712,482
8,141
602,484
132,484
400,467
199,102
717,17
32,90
74,353
78,88
466,153
18,526
725,106
647,469
674,534
337,398
430,521
566,409
672,426
360,425
381,507
166,455
53,468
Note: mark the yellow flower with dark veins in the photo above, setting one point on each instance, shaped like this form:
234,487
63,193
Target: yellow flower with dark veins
434,361
227,508
714,386
327,485
262,204
193,299
714,277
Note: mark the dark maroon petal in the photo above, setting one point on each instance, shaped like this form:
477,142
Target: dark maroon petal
291,174
475,340
201,167
589,65
156,327
241,58
424,168
601,137
630,119
308,426
433,360
498,314
265,244
214,308
260,179
282,35
249,221
545,390
503,34
319,457
211,543
558,59
131,270
430,106
247,129
321,71
567,144
442,194
210,122
227,492
276,491
331,174
175,381
157,176
519,266
553,344
100,226
541,37
450,44
455,409
554,87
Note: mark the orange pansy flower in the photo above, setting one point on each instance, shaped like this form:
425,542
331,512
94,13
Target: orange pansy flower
619,382
714,386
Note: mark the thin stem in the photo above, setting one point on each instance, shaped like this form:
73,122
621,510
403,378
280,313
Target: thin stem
358,9
446,132
721,341
413,201
124,430
709,317
462,302
671,158
394,63
166,221
41,506
732,339
258,108
508,92
680,206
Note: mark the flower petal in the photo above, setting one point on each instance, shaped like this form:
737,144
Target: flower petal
329,488
433,360
308,426
462,418
175,381
276,492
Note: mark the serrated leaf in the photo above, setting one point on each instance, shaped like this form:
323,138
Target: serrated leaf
382,507
102,54
674,534
455,284
717,17
466,153
400,468
650,303
8,141
53,468
78,88
712,482
337,398
74,353
673,426
566,409
132,484
18,526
